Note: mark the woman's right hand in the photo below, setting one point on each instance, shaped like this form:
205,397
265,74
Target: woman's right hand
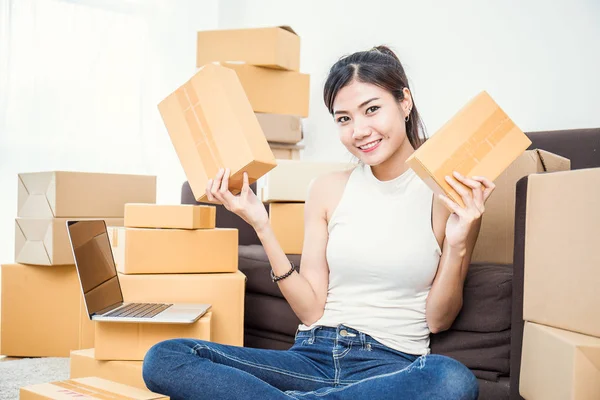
246,204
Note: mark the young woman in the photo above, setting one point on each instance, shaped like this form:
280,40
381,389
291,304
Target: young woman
383,265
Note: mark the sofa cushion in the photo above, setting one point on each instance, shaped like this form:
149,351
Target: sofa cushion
270,313
261,339
253,262
487,298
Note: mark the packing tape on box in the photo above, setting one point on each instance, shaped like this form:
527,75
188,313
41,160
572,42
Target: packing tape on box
82,388
196,121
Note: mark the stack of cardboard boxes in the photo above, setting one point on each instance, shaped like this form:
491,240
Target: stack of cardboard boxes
43,313
267,61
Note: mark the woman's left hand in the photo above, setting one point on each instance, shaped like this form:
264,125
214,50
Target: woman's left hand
474,192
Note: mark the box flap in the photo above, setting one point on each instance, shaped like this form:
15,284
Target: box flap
552,162
288,28
36,195
33,241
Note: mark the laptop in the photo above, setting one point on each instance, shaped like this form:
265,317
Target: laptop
100,285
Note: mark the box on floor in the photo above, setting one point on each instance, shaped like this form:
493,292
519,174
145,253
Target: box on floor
83,363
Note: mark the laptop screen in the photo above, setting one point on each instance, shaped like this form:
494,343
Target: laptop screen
95,264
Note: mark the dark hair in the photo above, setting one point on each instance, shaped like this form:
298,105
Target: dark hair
378,66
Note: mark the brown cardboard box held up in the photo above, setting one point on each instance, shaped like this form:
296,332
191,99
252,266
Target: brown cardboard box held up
44,241
287,220
495,243
179,216
172,251
275,186
83,363
81,194
273,47
480,140
212,126
225,292
86,388
558,364
562,262
131,342
283,151
281,128
42,313
274,91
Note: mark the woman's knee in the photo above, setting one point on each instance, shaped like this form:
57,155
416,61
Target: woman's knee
455,378
161,358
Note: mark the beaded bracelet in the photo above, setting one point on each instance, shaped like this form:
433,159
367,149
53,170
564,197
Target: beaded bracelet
278,278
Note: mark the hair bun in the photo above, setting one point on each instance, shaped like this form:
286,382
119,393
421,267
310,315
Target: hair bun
386,50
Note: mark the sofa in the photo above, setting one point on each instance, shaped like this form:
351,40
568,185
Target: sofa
487,334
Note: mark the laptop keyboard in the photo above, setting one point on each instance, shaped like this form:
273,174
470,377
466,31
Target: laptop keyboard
138,310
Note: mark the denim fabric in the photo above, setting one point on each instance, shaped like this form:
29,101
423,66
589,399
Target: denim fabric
324,363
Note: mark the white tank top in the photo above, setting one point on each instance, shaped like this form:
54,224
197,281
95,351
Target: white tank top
383,257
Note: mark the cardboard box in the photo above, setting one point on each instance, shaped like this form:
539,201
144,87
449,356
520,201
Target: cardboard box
283,151
275,186
274,91
281,128
212,126
45,241
83,363
59,194
181,216
562,264
131,342
87,388
558,364
495,243
287,220
42,312
225,292
172,251
480,140
273,47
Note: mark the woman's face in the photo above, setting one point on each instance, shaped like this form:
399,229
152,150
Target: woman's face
371,121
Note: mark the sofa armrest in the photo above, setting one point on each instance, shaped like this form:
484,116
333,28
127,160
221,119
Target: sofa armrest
225,218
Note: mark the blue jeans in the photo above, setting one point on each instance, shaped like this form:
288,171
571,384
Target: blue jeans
330,363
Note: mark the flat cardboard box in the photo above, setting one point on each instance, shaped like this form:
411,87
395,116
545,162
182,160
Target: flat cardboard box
225,292
274,91
272,47
283,151
281,128
495,243
83,363
131,341
173,251
562,262
86,388
212,125
558,364
61,194
179,216
480,140
287,220
42,312
275,186
44,241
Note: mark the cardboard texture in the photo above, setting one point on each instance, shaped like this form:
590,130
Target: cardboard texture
281,128
225,292
275,186
131,342
480,140
558,364
83,363
287,220
273,47
274,91
182,216
562,264
86,388
212,126
42,312
283,151
45,241
60,194
495,243
171,251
